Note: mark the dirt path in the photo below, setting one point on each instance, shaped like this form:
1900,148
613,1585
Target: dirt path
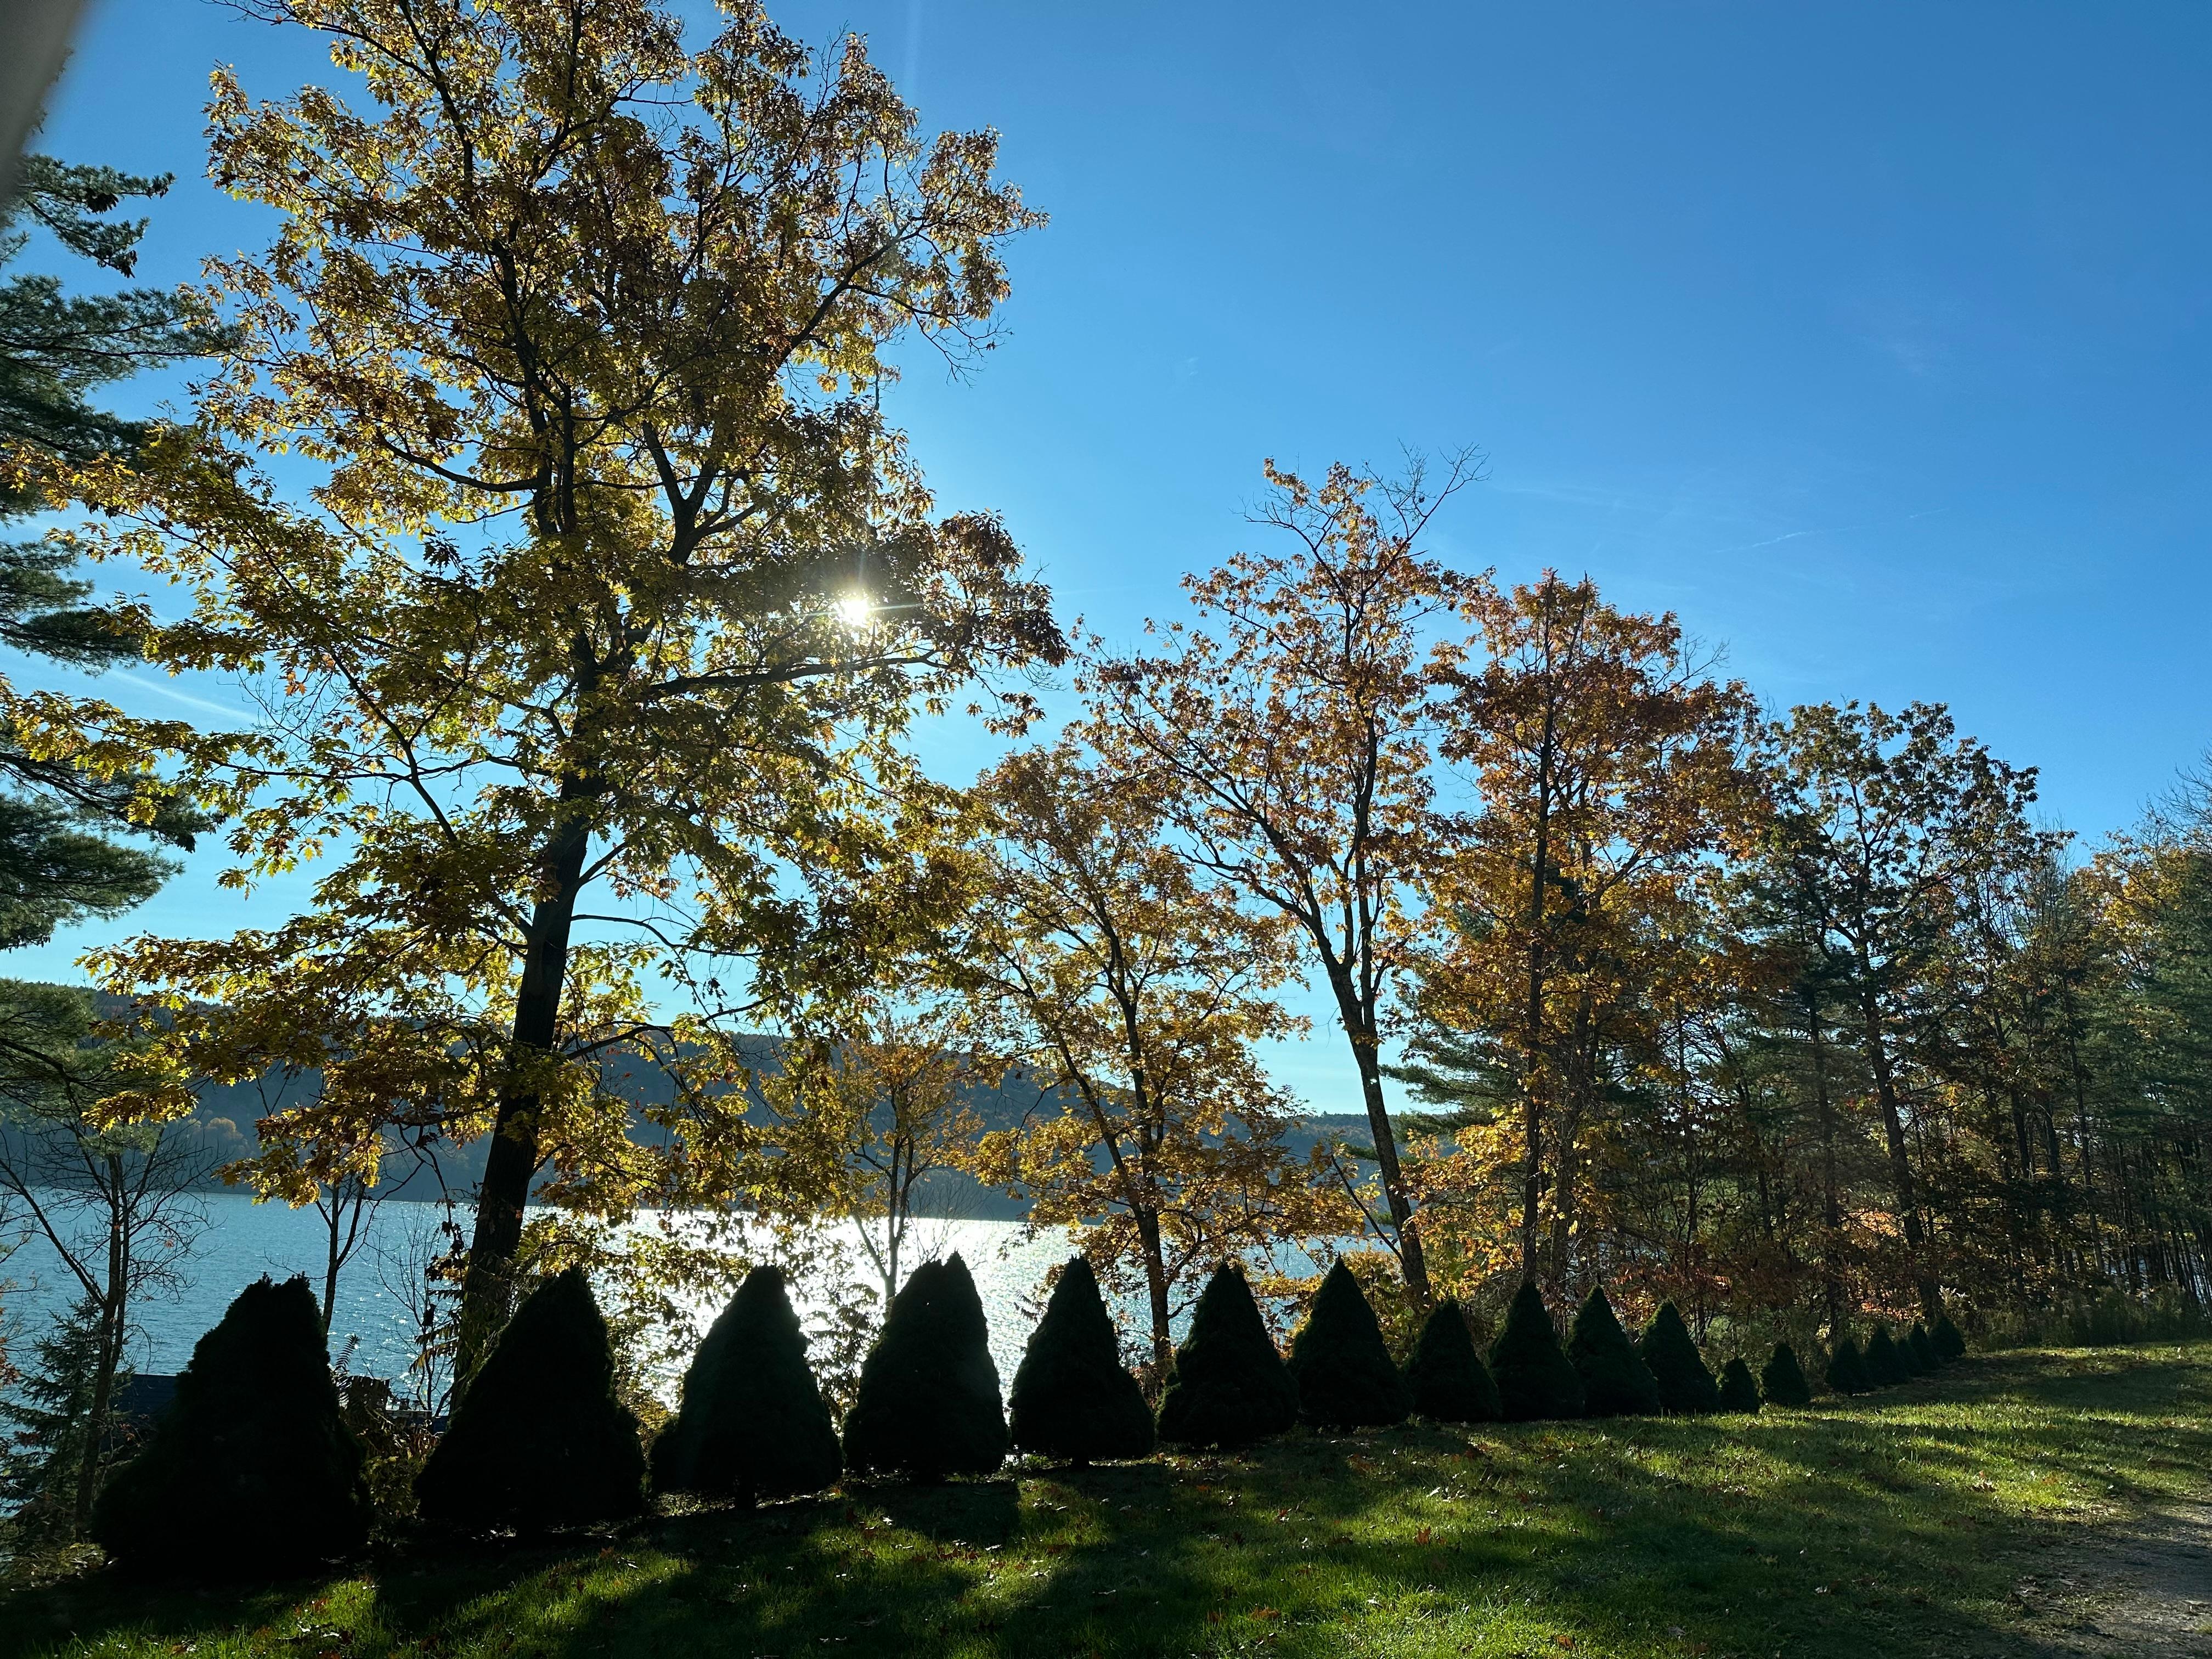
2144,1590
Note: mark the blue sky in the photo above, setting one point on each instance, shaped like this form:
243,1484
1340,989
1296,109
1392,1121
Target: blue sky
1874,340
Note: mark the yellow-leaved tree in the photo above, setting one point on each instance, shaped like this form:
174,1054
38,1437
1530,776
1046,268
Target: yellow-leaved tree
592,567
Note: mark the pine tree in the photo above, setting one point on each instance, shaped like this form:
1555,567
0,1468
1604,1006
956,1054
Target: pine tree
1685,1387
1846,1372
752,1424
1072,1397
1616,1383
928,1404
1535,1379
539,1439
1345,1376
1446,1379
1782,1382
1739,1388
252,1470
1949,1344
57,863
1229,1387
1908,1361
1884,1368
1923,1349
47,1415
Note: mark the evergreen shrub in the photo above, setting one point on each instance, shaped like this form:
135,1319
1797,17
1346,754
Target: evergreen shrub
752,1423
1846,1372
539,1439
1739,1388
1949,1344
251,1471
1229,1387
1685,1387
1072,1397
1446,1378
1884,1368
1616,1383
1535,1379
928,1403
1923,1349
1908,1361
1782,1383
1345,1376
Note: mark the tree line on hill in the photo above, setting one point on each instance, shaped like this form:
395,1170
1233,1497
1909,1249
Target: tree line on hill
538,487
258,1447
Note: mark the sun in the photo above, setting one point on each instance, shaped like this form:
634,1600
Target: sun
854,610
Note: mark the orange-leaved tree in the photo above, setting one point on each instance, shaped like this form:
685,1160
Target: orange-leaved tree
1290,745
1132,987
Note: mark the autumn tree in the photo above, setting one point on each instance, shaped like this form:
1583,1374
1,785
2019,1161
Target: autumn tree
861,1118
1132,986
1612,770
1288,734
613,577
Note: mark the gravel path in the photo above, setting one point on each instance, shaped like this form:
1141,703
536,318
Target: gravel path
2144,1590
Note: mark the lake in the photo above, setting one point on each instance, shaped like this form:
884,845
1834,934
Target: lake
245,1240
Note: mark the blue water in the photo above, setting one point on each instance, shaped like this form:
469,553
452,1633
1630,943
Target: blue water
245,1240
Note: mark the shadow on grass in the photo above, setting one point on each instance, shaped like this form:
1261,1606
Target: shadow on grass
1890,1524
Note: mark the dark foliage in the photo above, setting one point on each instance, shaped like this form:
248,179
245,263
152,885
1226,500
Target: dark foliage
252,1469
1074,1399
1229,1387
1686,1389
1345,1376
928,1404
753,1422
1923,1349
1949,1344
1446,1378
48,1415
1846,1372
1616,1383
1884,1368
1909,1361
1535,1379
1782,1382
1739,1388
539,1439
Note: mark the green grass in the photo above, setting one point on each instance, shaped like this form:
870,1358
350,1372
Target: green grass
1898,1524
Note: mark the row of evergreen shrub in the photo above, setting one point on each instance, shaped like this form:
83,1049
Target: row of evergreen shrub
256,1448
1887,1360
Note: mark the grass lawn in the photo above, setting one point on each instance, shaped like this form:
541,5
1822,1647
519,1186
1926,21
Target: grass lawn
1896,1524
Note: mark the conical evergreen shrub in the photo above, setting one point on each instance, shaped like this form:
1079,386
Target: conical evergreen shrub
539,1439
1739,1388
1616,1383
1345,1376
1535,1379
1883,1368
1074,1399
928,1402
1229,1387
1846,1372
1923,1349
1782,1383
1908,1359
1949,1344
251,1470
1446,1378
753,1423
1685,1387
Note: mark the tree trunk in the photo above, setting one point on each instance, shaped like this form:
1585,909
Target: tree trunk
1900,1161
486,1290
1156,1289
114,1306
1360,1029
